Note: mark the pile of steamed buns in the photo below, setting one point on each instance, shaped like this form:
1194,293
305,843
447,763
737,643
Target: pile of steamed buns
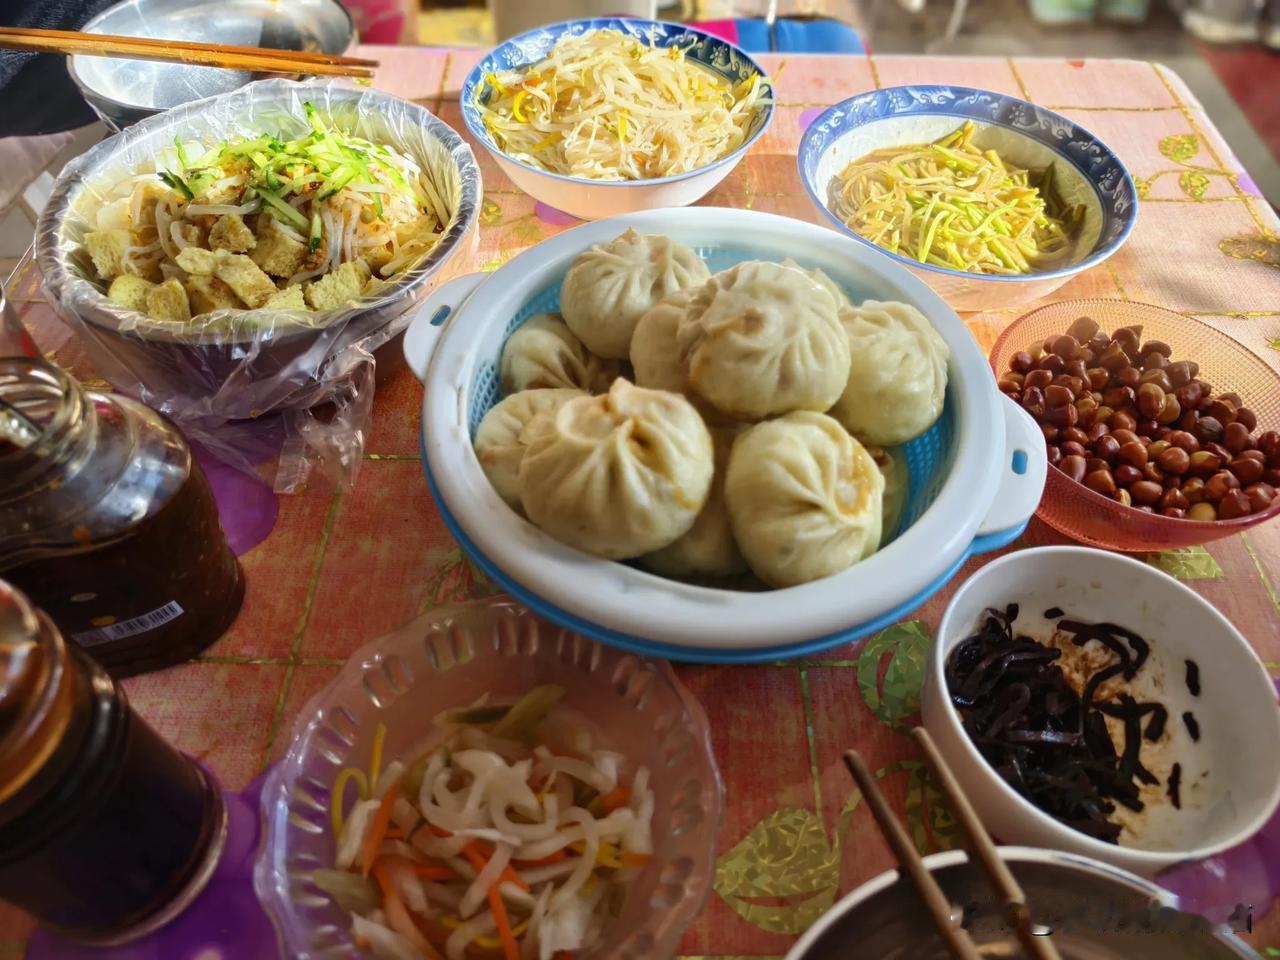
755,433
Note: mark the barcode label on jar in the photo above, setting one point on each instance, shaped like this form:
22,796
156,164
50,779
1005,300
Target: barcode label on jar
128,628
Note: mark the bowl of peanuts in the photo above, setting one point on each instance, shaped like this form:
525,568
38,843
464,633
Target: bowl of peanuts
1161,430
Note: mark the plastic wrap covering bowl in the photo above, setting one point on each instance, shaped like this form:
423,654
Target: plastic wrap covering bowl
590,199
1072,508
975,476
125,91
226,368
1028,136
449,658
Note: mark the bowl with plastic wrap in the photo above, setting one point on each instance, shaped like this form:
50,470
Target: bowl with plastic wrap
481,782
219,259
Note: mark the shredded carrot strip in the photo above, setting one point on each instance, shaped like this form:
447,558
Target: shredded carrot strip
635,859
510,950
615,799
477,858
377,830
431,871
394,833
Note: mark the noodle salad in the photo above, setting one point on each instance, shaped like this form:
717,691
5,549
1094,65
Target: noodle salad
509,836
302,224
952,204
605,106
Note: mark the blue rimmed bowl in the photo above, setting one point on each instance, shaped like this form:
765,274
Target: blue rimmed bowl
597,199
1086,171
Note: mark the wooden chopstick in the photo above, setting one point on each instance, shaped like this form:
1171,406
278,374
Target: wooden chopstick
254,59
954,936
984,850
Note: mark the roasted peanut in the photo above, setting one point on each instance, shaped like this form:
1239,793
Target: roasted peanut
1065,346
1204,464
1217,486
1174,460
1235,437
1057,396
1107,448
1101,481
1073,466
1234,504
1065,415
1126,475
1145,491
1038,379
1052,362
1247,470
1159,378
1247,417
1193,490
1150,400
1260,496
1172,410
1099,378
1132,453
1082,329
1202,511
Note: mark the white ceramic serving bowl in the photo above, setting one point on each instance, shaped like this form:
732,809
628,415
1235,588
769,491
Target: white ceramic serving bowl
600,199
976,475
1029,136
1239,747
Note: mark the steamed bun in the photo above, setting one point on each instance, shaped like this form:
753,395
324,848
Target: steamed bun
761,339
708,549
805,499
608,289
500,438
619,475
826,283
655,357
544,354
898,373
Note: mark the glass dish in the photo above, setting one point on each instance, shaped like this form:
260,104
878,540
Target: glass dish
448,658
1079,513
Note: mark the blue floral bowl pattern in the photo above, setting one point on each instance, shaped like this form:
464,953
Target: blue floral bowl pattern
904,115
595,199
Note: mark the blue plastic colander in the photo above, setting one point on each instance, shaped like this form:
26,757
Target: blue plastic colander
976,475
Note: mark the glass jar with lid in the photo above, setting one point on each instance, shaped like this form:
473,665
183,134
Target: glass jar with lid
108,523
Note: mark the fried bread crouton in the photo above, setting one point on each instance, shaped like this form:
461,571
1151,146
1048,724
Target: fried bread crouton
130,292
209,293
107,250
198,262
168,301
290,298
275,253
232,234
243,276
338,287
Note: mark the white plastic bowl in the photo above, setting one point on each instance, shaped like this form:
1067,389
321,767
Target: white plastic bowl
1239,718
599,199
976,476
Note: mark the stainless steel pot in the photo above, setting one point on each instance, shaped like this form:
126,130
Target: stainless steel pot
1095,912
123,92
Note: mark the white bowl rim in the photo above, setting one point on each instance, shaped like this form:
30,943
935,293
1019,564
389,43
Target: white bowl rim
736,155
637,603
1097,848
1095,256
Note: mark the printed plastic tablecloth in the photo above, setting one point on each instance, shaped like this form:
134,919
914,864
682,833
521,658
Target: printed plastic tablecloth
338,570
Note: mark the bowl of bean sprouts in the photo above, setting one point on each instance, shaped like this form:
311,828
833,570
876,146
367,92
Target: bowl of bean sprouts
606,116
993,201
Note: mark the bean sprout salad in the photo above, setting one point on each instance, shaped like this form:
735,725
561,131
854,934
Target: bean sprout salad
952,204
510,835
606,106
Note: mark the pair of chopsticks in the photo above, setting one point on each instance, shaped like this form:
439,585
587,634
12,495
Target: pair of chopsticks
254,59
1006,888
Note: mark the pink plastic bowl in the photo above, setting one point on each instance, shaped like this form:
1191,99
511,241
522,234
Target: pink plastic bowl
448,658
1076,511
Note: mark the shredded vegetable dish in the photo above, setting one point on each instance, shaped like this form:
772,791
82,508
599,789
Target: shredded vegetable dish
952,204
509,836
303,224
606,106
